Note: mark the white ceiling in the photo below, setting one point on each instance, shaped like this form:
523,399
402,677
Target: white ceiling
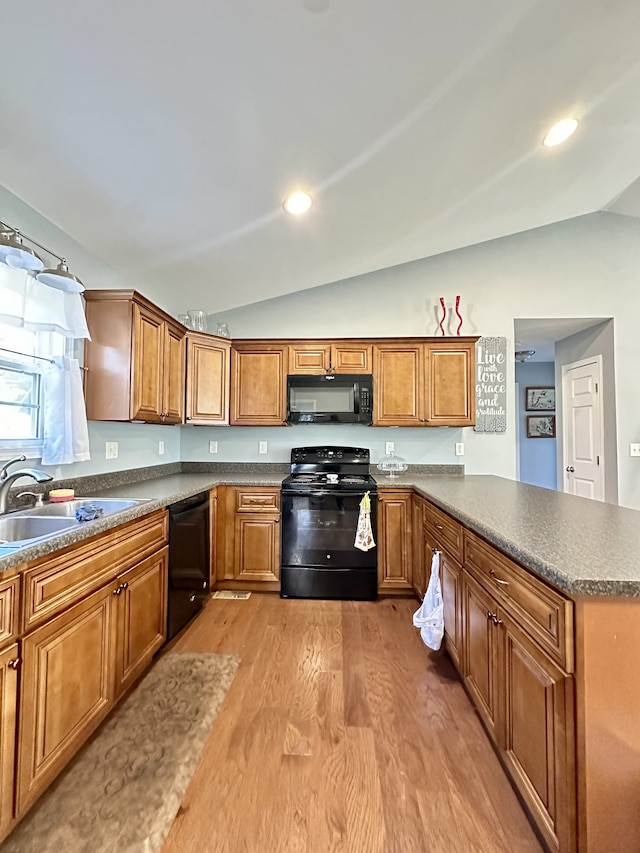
541,335
164,136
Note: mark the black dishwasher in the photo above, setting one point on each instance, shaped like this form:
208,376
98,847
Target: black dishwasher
188,560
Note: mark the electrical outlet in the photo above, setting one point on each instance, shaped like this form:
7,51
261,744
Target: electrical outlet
262,447
161,448
459,448
111,450
213,447
634,449
389,447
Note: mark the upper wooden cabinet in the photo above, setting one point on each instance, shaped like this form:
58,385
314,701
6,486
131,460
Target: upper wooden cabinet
208,375
333,357
258,384
135,360
424,383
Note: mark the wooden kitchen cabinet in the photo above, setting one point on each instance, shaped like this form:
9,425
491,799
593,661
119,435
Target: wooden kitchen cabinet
141,618
421,559
248,538
135,360
67,688
95,614
9,665
394,540
334,357
258,384
526,702
424,384
451,586
208,380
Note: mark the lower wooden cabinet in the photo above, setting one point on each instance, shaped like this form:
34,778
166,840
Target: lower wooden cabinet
141,601
248,537
527,705
421,560
67,688
9,664
394,540
78,663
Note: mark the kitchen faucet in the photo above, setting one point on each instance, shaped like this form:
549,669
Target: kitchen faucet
7,480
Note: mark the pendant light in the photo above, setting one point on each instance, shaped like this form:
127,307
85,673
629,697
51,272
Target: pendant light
15,254
61,278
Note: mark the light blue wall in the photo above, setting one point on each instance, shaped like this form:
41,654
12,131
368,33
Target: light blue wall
418,446
538,460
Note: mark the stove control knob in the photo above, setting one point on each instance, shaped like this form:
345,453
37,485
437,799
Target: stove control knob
328,556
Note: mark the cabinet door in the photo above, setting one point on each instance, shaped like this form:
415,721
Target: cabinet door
354,357
9,663
173,379
450,384
480,657
418,575
207,382
451,583
147,366
536,734
258,386
66,690
394,540
141,603
398,375
257,547
309,358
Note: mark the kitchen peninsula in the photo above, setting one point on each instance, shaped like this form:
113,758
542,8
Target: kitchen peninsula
566,625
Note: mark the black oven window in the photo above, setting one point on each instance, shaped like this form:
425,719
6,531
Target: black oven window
318,400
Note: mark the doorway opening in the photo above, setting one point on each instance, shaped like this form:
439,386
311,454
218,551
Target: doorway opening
545,440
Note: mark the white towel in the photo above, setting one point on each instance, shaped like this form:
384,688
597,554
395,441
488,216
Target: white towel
429,617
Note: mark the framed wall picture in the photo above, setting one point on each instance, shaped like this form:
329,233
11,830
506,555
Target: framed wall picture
541,426
541,399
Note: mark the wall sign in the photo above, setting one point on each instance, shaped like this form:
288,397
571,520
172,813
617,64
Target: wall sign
491,385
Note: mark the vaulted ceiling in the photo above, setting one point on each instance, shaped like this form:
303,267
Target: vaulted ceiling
164,136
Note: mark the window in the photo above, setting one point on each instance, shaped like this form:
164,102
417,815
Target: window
21,387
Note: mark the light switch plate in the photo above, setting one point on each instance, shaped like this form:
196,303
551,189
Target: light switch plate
111,450
634,449
389,447
262,447
161,448
213,447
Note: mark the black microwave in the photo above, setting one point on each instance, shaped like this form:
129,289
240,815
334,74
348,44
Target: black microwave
332,398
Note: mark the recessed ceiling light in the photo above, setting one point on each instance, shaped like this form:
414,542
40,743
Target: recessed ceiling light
298,202
560,132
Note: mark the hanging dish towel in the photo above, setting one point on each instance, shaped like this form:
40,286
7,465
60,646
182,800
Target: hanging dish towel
364,534
429,617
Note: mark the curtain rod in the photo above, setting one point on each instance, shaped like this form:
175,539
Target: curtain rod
40,357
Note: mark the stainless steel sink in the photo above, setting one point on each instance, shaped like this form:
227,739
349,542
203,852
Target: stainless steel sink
16,528
67,509
28,526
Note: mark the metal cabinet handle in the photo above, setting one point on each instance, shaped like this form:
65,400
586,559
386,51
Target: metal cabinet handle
124,585
439,527
497,579
15,663
117,591
570,469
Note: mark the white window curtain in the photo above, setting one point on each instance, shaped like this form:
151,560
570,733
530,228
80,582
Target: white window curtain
26,303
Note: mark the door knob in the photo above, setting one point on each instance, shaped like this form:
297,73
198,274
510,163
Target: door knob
570,469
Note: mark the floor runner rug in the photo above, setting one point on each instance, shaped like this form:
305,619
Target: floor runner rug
122,791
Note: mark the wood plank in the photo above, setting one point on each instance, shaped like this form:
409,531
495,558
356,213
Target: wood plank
341,733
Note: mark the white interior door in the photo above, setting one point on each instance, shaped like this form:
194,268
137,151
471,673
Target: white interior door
583,428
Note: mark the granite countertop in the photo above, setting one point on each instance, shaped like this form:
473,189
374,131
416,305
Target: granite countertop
580,546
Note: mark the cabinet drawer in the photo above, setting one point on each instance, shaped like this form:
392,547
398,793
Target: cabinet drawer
9,610
258,500
446,531
53,584
544,613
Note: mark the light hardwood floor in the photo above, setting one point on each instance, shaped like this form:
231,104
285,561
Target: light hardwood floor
341,732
